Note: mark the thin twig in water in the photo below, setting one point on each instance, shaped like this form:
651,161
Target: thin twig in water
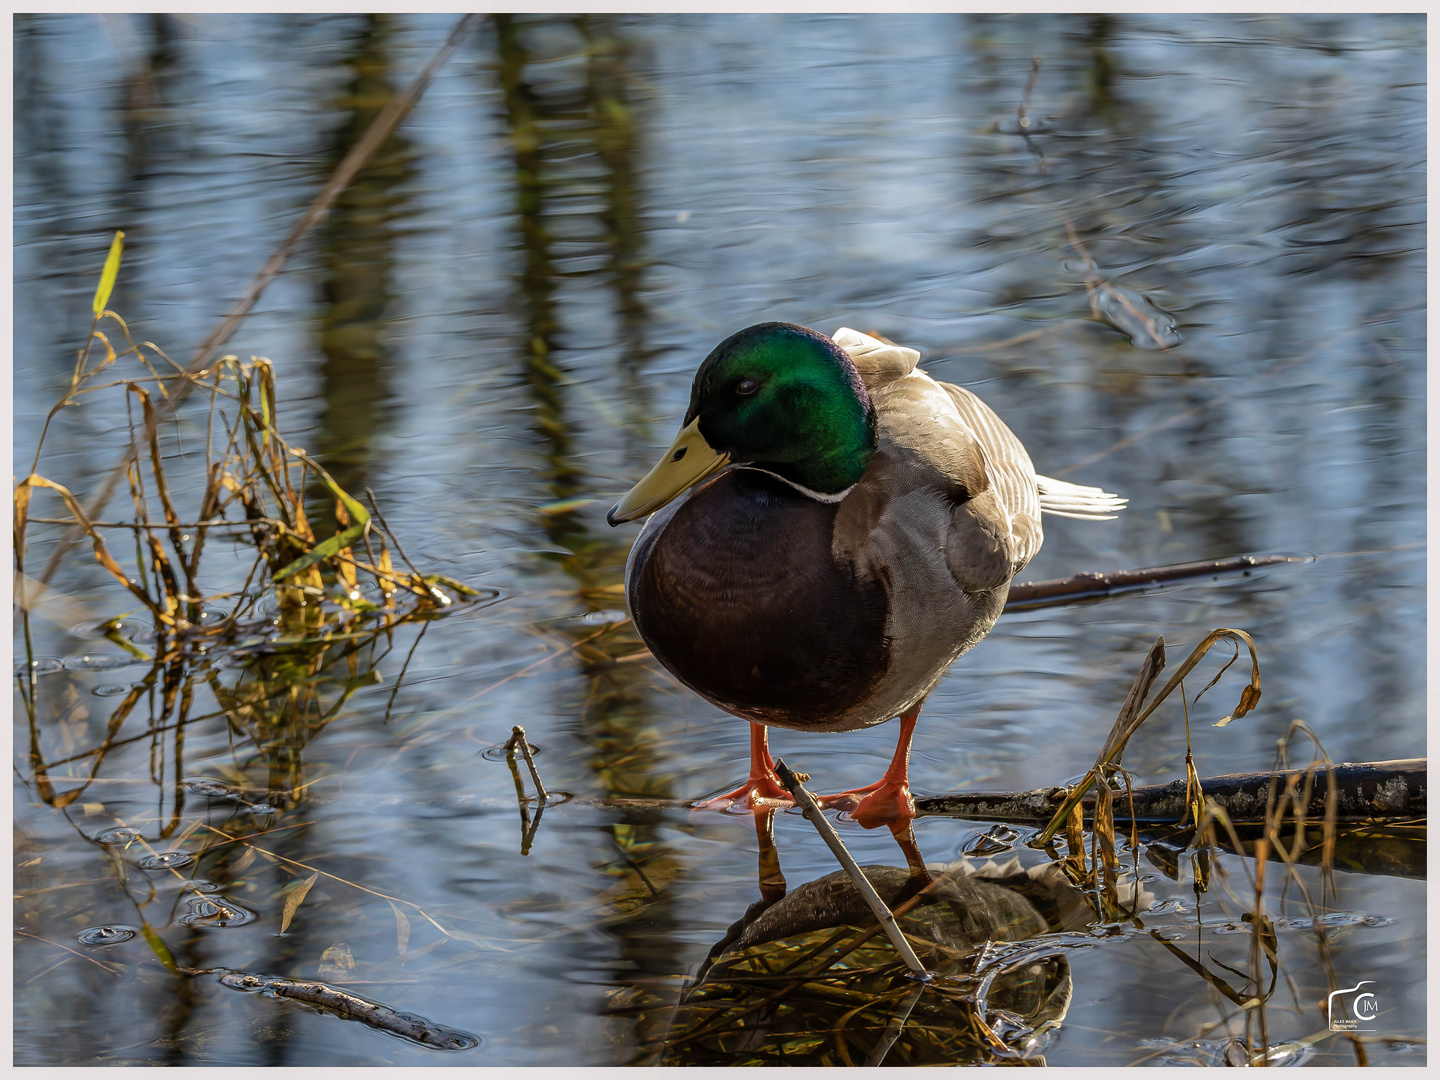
894,1028
517,738
343,881
338,1000
389,705
526,832
862,883
375,507
1095,585
1024,120
1018,339
75,952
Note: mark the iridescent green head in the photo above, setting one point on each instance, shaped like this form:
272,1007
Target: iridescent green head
777,396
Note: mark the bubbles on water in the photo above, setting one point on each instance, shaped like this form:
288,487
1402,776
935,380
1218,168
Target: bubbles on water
105,935
1225,1052
601,618
1170,906
1332,920
113,689
94,631
41,665
500,752
215,912
991,842
236,659
260,810
97,663
165,860
210,787
367,591
116,837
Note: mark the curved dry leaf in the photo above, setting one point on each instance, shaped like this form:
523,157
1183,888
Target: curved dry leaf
102,553
293,901
402,928
109,351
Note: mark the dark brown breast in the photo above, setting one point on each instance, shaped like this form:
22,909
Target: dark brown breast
739,596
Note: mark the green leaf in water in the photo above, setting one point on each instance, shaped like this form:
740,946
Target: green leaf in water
326,549
157,943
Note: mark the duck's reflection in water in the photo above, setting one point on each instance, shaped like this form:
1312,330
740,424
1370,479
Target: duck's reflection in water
808,978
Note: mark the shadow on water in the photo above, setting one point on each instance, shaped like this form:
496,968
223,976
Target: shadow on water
569,110
357,250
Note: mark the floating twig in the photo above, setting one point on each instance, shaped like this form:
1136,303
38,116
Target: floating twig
862,884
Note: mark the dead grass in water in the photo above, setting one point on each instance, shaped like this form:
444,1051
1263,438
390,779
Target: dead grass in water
307,605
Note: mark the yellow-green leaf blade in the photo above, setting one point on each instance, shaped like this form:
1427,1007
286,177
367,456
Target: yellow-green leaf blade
158,947
108,275
324,550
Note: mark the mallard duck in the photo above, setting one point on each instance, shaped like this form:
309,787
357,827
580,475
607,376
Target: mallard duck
828,532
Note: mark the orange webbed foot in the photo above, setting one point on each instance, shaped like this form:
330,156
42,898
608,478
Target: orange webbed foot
886,802
763,792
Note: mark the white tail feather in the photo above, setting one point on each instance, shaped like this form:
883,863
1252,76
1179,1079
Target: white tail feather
1061,499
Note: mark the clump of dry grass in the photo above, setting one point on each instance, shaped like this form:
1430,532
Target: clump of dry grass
1283,836
248,468
302,602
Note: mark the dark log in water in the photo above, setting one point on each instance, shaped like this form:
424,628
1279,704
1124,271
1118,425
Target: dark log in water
1372,791
346,1005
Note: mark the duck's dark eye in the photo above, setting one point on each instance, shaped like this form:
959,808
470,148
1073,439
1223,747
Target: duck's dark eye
746,387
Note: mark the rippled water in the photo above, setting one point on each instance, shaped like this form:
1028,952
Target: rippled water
496,329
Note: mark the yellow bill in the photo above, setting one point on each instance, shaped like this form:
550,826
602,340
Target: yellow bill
689,460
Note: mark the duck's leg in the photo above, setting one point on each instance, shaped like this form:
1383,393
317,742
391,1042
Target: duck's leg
763,790
905,837
772,879
888,800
